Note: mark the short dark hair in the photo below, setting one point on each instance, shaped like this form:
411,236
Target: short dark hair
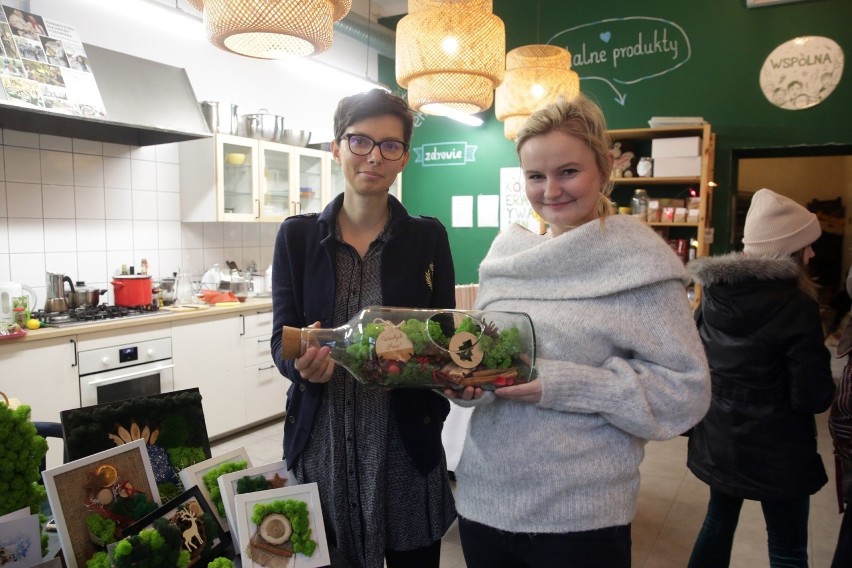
376,102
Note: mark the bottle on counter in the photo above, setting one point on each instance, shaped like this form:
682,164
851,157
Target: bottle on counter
143,266
404,347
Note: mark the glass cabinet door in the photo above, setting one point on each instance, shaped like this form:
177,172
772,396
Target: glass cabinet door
311,181
338,182
276,193
237,175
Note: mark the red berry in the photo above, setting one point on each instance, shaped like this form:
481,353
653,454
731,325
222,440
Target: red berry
393,369
500,381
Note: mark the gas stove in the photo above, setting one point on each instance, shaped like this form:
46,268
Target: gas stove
91,314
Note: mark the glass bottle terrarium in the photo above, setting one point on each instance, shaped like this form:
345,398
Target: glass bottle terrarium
420,348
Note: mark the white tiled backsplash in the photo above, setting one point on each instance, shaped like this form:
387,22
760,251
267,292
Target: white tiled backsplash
84,208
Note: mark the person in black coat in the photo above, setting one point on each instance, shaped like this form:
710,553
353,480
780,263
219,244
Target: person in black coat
770,371
375,454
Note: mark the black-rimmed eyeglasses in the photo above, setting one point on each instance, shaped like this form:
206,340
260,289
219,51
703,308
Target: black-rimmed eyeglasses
361,145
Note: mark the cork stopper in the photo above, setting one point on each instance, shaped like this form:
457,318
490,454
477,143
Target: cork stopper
291,342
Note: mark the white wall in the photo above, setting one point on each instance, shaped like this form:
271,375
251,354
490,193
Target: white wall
84,208
303,97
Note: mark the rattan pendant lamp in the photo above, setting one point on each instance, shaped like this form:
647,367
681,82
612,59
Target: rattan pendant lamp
450,55
272,29
536,75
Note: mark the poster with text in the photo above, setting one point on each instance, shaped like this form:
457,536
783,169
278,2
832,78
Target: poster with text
514,205
43,64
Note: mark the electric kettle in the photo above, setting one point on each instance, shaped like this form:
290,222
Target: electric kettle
9,291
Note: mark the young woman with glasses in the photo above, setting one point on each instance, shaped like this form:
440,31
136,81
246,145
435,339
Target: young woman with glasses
376,454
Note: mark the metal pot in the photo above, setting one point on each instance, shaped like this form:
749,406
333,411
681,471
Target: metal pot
220,117
263,125
132,291
83,296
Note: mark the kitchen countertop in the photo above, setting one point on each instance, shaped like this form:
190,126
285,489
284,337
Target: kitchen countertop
164,315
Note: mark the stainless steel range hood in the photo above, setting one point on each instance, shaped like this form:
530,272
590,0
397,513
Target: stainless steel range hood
146,103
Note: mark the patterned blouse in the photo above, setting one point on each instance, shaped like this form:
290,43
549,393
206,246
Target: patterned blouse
372,496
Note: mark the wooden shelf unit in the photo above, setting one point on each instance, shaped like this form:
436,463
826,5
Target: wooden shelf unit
704,182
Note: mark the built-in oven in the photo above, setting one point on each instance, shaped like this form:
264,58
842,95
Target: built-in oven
129,370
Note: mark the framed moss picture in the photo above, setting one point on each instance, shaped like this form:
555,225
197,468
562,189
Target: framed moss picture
200,534
170,424
95,498
281,527
205,475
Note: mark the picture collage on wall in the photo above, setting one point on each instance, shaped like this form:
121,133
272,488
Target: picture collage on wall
43,64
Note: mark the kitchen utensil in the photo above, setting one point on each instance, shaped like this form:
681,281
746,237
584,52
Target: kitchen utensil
296,137
8,292
264,126
55,300
84,296
220,117
132,290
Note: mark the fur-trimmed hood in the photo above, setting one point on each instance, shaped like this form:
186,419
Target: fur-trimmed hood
737,267
741,292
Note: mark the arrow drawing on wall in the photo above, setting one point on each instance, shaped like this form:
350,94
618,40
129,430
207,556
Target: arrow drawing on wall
620,99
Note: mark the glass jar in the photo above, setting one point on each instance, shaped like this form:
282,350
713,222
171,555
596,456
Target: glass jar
183,289
439,349
239,285
639,204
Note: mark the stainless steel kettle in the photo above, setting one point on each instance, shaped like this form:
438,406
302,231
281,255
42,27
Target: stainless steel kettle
55,297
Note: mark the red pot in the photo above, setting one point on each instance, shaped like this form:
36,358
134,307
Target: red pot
132,291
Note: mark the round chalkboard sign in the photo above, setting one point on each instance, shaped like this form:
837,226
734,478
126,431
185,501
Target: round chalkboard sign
802,72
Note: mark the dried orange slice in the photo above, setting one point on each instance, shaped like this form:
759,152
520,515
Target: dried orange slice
108,474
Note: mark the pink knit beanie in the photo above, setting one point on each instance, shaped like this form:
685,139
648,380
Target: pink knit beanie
776,225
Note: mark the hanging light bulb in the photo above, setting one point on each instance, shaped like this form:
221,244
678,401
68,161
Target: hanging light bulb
272,29
536,75
449,55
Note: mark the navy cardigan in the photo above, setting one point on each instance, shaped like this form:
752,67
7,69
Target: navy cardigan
416,272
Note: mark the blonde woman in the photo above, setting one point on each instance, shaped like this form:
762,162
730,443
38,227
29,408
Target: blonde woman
549,473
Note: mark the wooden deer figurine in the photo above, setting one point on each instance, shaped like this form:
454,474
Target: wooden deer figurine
190,534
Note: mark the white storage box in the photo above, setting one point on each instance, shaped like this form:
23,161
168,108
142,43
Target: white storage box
674,167
675,147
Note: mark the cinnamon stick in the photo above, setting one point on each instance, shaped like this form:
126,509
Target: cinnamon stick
261,544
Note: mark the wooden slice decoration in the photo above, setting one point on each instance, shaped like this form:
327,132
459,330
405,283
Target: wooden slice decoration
465,350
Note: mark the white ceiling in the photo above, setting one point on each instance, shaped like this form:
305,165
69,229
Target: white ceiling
375,9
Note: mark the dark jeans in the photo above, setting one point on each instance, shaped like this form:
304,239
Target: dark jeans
426,557
786,527
843,553
486,547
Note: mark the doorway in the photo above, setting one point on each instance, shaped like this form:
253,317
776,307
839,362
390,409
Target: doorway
819,178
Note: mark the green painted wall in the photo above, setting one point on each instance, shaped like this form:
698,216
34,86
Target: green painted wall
727,45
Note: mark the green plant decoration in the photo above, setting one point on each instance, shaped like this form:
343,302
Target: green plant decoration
212,484
21,452
158,547
297,513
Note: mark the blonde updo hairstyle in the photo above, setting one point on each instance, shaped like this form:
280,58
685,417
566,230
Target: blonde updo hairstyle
583,119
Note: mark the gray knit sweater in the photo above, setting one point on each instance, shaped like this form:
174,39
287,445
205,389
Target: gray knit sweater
620,363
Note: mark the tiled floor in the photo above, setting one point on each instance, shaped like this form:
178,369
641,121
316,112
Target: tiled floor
671,507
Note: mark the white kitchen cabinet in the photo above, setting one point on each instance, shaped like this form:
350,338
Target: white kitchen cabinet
231,178
43,375
208,354
265,387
